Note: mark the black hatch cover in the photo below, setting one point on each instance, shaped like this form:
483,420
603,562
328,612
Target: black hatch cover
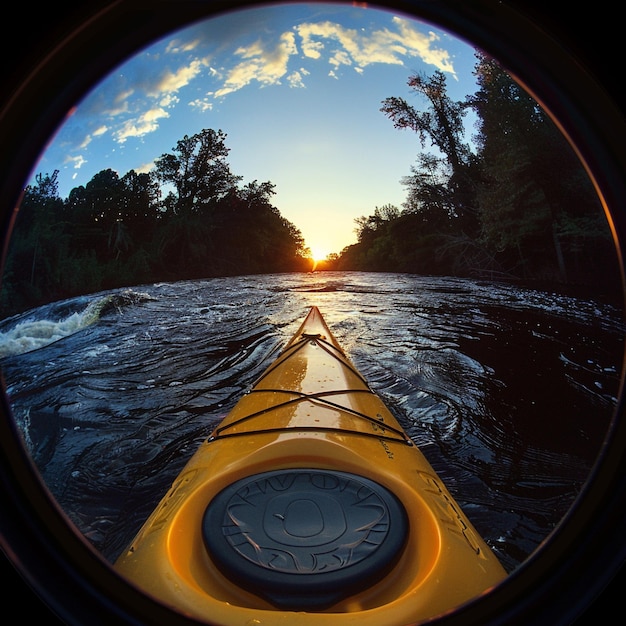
304,538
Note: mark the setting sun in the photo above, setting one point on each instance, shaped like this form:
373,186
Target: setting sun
319,254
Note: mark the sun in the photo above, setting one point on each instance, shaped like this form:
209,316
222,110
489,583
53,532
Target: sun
319,254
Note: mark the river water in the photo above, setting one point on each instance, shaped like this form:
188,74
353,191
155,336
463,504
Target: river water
508,391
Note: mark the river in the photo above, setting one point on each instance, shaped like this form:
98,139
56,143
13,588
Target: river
509,391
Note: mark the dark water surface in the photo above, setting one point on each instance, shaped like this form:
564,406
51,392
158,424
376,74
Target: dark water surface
508,391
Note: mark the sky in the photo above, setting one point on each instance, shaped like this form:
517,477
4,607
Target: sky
297,88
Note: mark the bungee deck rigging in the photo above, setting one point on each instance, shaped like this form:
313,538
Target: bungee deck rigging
320,397
309,505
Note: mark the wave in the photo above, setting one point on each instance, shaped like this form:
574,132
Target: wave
24,333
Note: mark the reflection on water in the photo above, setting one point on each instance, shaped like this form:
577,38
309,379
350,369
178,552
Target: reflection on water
508,391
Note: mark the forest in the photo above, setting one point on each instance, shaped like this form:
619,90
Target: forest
514,203
123,231
519,206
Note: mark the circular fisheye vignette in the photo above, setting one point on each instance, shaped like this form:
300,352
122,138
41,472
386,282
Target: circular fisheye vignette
585,115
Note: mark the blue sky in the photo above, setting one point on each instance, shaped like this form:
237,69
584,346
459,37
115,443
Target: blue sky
297,88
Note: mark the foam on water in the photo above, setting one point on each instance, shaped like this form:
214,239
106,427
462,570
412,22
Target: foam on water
29,333
32,334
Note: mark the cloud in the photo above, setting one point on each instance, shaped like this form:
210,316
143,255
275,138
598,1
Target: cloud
268,64
311,49
145,168
201,105
261,64
142,125
340,57
295,79
85,142
170,82
348,46
77,161
101,130
265,62
176,46
418,44
110,100
161,95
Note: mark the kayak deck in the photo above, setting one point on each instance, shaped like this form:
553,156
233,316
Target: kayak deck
310,504
312,386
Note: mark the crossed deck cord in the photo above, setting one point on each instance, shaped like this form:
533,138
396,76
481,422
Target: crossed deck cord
315,526
319,397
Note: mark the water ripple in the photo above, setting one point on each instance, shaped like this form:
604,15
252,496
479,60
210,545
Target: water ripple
508,391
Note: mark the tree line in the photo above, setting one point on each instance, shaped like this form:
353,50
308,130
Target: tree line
518,205
190,217
514,204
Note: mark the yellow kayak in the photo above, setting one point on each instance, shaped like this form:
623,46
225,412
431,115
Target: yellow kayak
310,505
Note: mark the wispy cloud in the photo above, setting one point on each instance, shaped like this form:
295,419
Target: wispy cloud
77,161
134,104
349,46
137,127
420,45
268,63
295,79
170,82
159,96
145,168
265,64
201,104
176,46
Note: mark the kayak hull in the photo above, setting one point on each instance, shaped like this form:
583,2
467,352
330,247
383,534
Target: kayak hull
311,413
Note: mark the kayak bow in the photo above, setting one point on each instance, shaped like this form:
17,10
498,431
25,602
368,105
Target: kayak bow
310,505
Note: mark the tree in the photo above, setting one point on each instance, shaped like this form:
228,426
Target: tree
201,178
535,194
450,158
37,246
252,236
198,171
95,216
367,228
119,231
141,210
376,247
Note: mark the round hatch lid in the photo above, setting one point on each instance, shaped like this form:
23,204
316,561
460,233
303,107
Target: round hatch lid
304,538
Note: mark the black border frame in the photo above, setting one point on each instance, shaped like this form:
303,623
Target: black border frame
54,54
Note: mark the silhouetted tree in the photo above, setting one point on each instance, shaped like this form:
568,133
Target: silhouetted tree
198,170
446,175
538,208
